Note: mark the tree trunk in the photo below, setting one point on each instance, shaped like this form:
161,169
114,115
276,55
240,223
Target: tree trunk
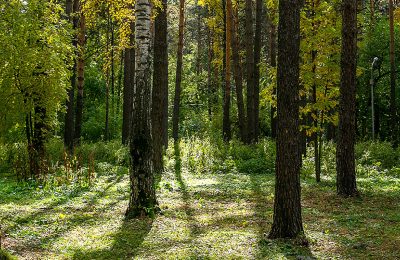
160,85
142,200
209,74
345,160
237,73
287,207
178,79
250,70
272,49
226,122
257,55
71,7
393,112
129,83
81,77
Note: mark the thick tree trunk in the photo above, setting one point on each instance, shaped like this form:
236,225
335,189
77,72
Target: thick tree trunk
345,160
249,36
71,7
178,79
81,77
226,122
129,80
257,55
393,112
160,86
237,74
287,206
142,200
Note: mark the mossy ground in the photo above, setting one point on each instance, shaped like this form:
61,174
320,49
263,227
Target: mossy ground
223,215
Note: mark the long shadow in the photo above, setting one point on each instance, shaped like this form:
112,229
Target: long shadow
194,228
127,241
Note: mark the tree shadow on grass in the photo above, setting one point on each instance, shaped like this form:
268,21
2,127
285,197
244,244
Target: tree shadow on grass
127,241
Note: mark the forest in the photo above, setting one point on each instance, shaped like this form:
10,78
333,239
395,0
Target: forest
199,129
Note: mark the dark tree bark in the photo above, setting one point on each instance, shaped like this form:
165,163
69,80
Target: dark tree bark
393,112
71,7
129,78
287,207
237,74
178,79
226,122
81,77
272,49
209,75
249,42
257,55
160,85
345,160
142,200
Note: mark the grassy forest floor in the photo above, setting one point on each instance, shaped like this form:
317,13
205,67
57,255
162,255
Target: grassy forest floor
206,214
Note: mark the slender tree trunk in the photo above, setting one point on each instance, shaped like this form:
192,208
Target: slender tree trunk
107,122
237,73
272,49
160,85
178,80
249,36
257,55
39,136
112,81
287,207
209,74
129,80
81,77
345,160
227,92
142,200
393,112
71,7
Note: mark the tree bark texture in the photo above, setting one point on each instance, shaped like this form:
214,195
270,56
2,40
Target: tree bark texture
142,200
226,122
178,78
287,206
345,159
257,56
160,86
249,42
129,79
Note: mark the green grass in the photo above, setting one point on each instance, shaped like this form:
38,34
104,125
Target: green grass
210,210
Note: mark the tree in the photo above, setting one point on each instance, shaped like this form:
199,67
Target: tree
249,42
257,54
345,160
81,75
393,112
287,207
72,7
237,74
142,201
226,122
160,86
178,77
129,78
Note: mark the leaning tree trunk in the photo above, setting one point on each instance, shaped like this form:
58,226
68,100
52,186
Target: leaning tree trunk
142,200
129,79
287,206
160,85
250,70
345,160
81,77
178,79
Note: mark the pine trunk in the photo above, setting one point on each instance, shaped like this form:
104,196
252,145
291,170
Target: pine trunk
287,206
160,85
393,112
226,122
250,70
178,79
345,159
257,56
